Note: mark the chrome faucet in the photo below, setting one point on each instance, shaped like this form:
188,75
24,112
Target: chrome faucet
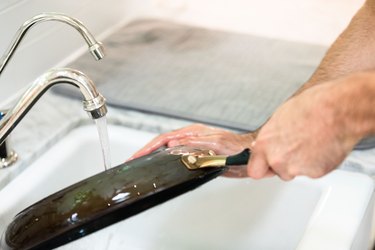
95,47
93,101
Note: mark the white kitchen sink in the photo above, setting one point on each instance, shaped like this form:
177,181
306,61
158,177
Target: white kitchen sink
333,212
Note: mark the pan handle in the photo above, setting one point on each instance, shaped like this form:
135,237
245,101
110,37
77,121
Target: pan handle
239,159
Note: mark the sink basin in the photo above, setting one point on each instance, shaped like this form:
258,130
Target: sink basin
333,212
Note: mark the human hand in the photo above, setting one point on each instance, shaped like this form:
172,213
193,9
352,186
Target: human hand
205,137
200,136
307,135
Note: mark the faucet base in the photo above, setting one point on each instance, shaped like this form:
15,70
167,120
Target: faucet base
9,160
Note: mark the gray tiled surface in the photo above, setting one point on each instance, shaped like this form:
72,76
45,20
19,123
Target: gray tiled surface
217,77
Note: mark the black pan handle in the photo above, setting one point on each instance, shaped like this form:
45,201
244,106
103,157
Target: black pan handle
239,159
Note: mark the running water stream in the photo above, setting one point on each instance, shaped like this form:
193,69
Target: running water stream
101,124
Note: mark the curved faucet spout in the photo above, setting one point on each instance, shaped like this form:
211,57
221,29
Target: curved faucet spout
95,47
93,101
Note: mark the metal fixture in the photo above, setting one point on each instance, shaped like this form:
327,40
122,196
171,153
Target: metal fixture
93,103
207,158
95,47
7,155
196,162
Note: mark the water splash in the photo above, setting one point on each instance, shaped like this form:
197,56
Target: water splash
101,124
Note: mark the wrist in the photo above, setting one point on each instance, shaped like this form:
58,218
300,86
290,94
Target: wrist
352,105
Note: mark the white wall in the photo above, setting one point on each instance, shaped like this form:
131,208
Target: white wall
312,21
46,44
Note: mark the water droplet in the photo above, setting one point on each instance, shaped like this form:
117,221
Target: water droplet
74,218
120,197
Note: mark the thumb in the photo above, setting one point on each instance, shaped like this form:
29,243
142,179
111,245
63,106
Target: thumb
257,166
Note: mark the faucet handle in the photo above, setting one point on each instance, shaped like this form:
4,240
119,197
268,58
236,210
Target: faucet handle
7,155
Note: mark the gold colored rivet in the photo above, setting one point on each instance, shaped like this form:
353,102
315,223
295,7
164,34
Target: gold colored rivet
192,159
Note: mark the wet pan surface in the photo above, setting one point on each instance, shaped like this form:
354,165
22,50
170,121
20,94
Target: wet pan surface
104,199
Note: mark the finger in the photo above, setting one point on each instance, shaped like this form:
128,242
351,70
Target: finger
201,143
173,136
282,171
258,167
219,146
149,147
156,143
236,172
195,130
270,173
286,177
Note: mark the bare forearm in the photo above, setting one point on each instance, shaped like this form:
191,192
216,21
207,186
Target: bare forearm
353,51
353,100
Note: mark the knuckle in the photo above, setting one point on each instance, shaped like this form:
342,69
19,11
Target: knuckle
256,177
254,174
283,170
286,177
276,162
294,171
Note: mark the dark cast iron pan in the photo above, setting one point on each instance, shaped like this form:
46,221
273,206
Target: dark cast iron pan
113,195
